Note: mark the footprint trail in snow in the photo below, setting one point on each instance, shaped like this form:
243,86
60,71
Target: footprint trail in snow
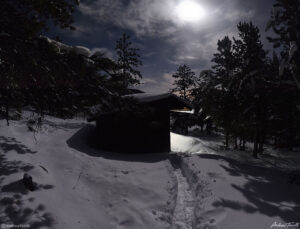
184,210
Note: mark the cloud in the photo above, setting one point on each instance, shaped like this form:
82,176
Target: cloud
239,14
159,17
160,85
168,78
164,40
149,54
148,81
144,17
80,31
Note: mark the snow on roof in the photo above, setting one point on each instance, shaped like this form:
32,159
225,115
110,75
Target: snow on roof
184,111
174,104
80,50
2,34
152,97
148,97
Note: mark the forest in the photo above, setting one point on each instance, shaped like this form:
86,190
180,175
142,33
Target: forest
81,145
250,94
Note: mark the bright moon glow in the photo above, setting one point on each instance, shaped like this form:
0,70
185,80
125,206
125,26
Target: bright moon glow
190,11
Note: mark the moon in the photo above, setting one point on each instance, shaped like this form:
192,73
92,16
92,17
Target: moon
190,11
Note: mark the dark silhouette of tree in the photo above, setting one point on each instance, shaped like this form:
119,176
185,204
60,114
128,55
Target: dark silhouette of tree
104,64
252,86
251,95
285,23
225,61
236,94
24,56
225,64
128,61
43,73
27,19
184,80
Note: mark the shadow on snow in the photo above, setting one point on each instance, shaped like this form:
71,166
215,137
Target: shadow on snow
13,196
85,140
267,190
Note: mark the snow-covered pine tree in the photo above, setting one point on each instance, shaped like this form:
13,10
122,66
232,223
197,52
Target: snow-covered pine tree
21,24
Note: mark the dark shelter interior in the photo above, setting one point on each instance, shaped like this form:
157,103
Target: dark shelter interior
144,128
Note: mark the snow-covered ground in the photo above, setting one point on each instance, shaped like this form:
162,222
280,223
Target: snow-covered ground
196,186
232,190
78,186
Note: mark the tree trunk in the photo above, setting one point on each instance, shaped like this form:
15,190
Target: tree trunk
226,140
201,126
261,147
244,145
255,150
291,134
261,141
256,142
7,114
186,129
236,143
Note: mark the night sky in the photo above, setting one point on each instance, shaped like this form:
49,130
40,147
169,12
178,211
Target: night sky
167,32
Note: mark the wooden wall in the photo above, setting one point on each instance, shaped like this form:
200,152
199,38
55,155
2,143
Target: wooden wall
135,132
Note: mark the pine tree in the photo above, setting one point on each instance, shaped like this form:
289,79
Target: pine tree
184,81
285,23
225,61
27,19
225,67
236,93
42,73
23,62
128,61
105,64
252,83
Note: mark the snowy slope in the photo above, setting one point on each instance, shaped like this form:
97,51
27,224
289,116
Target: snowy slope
196,186
233,195
282,160
79,187
234,191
